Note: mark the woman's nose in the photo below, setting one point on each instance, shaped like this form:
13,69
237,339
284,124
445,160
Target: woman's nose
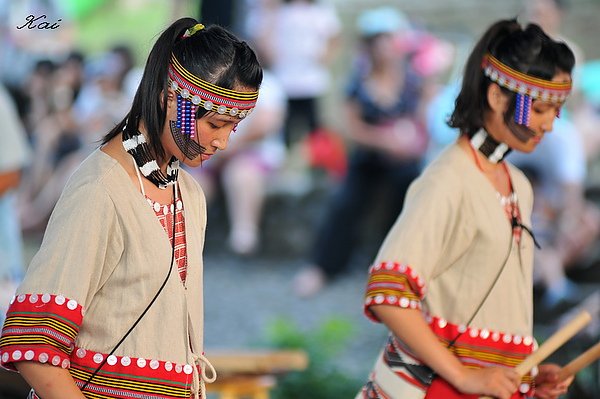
548,124
221,140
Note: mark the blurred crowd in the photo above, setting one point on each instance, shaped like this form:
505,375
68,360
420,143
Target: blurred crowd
387,122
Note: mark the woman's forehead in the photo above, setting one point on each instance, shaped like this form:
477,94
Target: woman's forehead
562,77
215,117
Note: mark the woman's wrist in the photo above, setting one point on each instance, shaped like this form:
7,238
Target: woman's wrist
457,376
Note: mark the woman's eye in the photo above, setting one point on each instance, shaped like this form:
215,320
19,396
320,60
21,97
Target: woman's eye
213,126
541,110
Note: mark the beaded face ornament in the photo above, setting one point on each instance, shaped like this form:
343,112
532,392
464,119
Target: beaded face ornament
527,88
193,93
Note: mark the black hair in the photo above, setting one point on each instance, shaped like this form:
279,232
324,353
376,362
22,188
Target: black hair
527,50
75,56
44,67
212,54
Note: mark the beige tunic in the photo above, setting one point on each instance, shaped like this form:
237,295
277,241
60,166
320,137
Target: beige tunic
444,253
454,233
104,256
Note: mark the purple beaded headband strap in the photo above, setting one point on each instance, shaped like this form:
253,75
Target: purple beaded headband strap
193,92
528,88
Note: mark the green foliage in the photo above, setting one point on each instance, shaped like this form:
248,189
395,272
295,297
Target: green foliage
78,9
137,24
321,379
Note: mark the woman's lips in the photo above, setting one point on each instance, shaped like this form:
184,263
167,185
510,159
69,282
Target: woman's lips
206,157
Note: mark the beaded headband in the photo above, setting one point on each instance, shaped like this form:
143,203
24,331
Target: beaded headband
194,92
528,88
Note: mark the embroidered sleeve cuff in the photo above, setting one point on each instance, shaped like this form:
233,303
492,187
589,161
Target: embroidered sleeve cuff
40,327
395,284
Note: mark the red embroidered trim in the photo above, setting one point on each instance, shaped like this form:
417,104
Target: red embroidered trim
166,221
395,284
124,377
475,348
40,327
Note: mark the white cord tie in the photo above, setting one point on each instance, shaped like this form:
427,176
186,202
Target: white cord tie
199,379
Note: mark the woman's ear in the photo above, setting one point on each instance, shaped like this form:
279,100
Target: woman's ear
497,100
170,97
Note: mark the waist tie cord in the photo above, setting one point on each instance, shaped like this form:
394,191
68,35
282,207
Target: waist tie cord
199,379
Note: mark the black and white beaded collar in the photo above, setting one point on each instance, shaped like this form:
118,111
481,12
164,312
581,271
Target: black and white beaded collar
137,146
490,148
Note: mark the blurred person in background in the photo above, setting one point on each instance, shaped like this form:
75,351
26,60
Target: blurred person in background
14,156
38,90
31,31
566,224
125,61
383,126
102,100
70,132
117,283
54,136
255,153
455,271
587,114
550,14
299,39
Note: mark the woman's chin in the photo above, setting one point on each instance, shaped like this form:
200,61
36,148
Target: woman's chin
193,163
527,147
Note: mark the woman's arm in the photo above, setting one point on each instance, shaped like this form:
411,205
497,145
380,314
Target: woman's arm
411,328
49,382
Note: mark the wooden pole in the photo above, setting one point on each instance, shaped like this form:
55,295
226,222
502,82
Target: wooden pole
580,362
552,344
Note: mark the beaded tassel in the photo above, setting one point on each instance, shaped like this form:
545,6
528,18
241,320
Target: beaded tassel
179,116
186,116
523,109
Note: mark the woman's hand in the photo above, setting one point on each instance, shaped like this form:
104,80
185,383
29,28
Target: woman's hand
411,328
499,382
547,384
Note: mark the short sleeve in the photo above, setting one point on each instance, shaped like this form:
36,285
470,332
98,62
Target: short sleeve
414,249
81,246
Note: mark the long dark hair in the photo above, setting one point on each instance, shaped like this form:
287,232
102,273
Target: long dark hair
213,54
527,50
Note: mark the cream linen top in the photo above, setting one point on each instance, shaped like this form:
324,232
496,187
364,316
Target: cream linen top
103,258
454,234
442,256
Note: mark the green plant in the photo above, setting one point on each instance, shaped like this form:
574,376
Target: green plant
321,379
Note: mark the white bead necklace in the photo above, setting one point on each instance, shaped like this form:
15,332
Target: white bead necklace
178,204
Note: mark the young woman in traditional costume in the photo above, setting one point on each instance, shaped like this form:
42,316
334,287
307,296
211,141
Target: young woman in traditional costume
111,306
453,279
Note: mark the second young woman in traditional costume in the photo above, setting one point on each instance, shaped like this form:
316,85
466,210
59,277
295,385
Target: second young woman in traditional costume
453,279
